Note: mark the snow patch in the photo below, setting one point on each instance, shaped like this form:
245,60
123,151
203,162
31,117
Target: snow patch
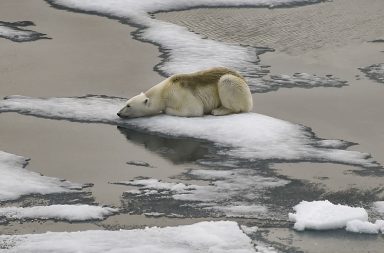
365,227
215,237
58,212
15,181
323,215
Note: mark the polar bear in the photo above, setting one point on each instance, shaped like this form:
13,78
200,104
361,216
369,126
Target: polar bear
217,91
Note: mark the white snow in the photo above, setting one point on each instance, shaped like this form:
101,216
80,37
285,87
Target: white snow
250,136
184,51
213,237
323,215
58,212
15,181
366,227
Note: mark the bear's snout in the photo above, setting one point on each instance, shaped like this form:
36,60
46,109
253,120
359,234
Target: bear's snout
119,114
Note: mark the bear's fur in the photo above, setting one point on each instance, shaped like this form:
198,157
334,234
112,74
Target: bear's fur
217,91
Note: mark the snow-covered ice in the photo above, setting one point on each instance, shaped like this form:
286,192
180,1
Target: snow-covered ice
365,227
302,80
250,136
323,215
184,51
12,31
58,212
214,237
16,181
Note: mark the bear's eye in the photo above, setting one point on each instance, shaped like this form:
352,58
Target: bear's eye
128,106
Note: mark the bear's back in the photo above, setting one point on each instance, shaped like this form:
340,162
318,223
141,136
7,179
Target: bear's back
201,79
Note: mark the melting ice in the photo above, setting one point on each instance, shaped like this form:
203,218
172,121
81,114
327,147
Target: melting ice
215,237
15,181
184,51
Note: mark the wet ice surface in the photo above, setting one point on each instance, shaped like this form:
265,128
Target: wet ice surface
57,212
375,72
302,80
184,51
236,160
14,32
16,181
215,237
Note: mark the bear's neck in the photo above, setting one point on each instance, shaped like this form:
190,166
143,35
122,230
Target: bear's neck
156,95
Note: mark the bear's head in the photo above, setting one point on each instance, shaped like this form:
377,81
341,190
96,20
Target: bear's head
138,106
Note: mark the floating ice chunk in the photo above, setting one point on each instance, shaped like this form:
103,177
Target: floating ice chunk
249,230
12,31
58,212
379,206
215,237
365,227
322,215
184,51
302,80
139,163
375,72
15,181
250,136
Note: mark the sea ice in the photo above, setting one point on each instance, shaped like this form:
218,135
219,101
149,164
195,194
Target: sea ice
15,181
12,31
250,136
184,51
58,212
365,227
214,237
323,215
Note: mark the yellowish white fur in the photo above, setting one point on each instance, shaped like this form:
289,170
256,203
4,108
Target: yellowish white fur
217,91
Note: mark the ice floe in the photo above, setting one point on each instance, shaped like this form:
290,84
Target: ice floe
57,212
215,237
12,31
302,80
365,227
250,136
324,215
374,72
15,181
184,51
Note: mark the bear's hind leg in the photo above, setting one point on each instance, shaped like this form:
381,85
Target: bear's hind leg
234,94
221,111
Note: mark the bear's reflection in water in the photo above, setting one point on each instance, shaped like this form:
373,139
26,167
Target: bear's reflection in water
177,150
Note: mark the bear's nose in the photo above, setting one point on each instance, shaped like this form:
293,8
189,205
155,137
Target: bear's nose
118,114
